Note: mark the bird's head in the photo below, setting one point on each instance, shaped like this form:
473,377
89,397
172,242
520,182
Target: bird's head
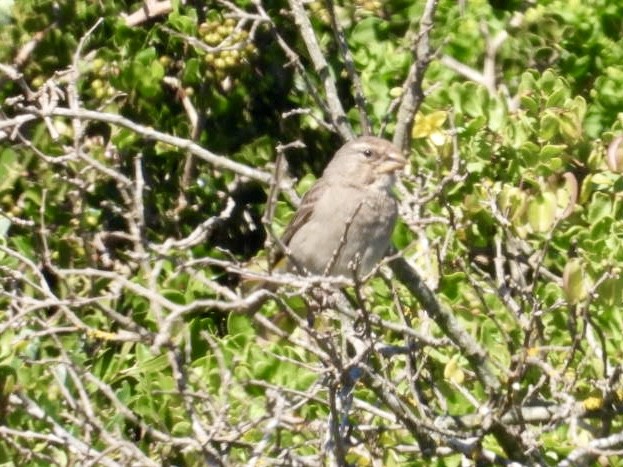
368,161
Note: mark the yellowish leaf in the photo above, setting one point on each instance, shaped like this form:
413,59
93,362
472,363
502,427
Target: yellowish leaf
593,403
542,212
573,281
453,372
425,125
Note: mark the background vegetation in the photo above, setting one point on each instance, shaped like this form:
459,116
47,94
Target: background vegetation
147,148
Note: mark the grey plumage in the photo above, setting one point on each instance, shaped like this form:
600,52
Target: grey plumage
346,219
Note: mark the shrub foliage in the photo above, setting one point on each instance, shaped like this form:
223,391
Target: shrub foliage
151,153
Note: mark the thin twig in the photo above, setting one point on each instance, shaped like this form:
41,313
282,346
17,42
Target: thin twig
413,94
347,56
337,114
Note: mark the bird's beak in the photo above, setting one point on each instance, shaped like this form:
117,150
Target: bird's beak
395,161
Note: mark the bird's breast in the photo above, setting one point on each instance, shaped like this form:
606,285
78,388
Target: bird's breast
348,225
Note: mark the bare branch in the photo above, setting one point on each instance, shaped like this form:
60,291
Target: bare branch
476,355
353,75
413,93
217,161
337,115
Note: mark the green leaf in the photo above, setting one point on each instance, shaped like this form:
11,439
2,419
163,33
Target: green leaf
475,99
147,364
527,83
599,207
9,168
548,126
530,153
530,104
578,107
557,98
574,283
610,292
186,23
474,125
192,72
451,284
239,325
542,212
175,296
570,126
548,81
600,230
157,71
182,429
365,32
497,113
125,138
146,56
553,164
551,150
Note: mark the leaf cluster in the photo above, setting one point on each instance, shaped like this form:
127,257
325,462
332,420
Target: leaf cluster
146,157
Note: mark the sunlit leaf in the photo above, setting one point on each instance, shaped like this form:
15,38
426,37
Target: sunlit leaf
574,281
541,212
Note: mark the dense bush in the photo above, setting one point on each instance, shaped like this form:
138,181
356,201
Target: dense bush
151,154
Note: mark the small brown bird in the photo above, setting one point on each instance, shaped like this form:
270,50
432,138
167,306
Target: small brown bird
345,221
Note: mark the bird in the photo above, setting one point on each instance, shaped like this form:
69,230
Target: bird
344,222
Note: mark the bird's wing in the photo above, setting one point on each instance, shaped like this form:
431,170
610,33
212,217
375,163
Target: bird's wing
304,212
301,216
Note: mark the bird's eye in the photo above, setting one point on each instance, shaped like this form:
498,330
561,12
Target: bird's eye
367,152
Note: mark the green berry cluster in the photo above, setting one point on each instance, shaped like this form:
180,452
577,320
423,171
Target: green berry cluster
369,7
101,86
232,47
356,8
9,205
319,10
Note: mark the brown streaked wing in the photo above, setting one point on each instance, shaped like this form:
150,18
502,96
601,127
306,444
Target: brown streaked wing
302,214
304,211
